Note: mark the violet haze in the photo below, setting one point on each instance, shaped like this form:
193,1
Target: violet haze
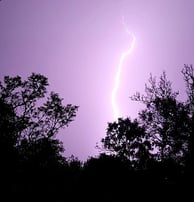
77,44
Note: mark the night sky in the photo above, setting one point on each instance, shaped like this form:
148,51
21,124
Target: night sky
77,44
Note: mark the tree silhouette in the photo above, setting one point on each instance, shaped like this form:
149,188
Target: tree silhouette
165,119
152,153
8,138
29,124
188,74
161,138
169,123
128,140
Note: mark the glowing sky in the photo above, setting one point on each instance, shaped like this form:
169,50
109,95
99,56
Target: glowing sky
78,44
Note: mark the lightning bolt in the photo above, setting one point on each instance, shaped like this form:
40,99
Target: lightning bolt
123,56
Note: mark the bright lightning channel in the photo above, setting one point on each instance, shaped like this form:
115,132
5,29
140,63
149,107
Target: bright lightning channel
124,55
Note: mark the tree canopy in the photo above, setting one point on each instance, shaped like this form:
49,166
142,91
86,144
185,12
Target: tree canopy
163,130
138,156
30,118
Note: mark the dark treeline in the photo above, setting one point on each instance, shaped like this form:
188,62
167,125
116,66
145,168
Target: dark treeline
149,157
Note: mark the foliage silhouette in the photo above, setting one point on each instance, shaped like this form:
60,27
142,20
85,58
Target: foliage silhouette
166,120
28,128
151,154
159,143
188,73
128,140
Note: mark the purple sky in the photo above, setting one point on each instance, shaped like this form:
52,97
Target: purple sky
77,44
